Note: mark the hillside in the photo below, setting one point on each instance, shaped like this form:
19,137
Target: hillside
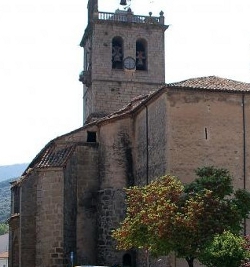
7,174
11,171
5,200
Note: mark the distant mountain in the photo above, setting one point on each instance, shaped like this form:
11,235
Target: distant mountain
12,171
8,173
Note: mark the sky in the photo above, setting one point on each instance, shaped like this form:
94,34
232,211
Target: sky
40,60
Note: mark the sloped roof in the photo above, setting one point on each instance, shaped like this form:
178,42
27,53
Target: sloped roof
212,83
4,255
134,103
52,156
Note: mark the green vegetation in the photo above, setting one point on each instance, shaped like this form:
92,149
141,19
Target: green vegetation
168,216
4,228
5,200
226,249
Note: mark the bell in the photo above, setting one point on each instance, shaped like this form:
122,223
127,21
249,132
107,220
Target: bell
123,3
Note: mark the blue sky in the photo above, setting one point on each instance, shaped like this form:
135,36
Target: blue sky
40,59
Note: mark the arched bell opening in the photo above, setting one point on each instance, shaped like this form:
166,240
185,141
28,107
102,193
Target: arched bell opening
141,54
117,53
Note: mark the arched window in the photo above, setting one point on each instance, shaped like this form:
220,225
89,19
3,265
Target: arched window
117,53
127,260
141,54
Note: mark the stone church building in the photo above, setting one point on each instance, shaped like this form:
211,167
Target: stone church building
136,128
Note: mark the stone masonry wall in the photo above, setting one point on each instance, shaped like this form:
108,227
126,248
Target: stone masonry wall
206,128
70,208
247,148
115,173
28,196
14,233
110,96
150,161
50,218
150,141
88,185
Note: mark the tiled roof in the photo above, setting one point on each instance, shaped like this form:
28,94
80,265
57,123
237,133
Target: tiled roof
135,102
4,255
212,83
52,156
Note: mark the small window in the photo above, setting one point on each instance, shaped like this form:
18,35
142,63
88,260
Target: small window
117,53
127,260
91,137
141,55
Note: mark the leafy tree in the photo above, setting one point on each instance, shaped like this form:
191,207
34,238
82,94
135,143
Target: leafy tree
226,249
246,262
4,228
167,216
147,221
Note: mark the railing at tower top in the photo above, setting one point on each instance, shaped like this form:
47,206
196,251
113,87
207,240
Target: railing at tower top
127,16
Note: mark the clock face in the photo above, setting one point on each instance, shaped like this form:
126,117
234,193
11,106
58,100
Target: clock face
129,63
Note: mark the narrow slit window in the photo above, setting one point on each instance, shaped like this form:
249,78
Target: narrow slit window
117,53
206,133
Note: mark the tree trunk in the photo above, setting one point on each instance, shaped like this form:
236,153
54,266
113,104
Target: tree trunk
190,261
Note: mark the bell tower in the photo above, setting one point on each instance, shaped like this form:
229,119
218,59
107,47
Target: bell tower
123,58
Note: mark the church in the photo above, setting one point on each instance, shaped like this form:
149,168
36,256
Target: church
136,128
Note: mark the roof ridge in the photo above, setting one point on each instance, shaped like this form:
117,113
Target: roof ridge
212,83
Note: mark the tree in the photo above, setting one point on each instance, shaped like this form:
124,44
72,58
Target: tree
226,249
167,216
3,228
147,220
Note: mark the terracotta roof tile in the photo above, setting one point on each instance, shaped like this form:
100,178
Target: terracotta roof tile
51,156
54,157
212,83
4,255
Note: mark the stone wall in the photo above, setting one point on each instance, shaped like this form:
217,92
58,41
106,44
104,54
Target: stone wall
70,209
116,173
206,128
14,234
150,141
118,94
150,156
28,208
50,218
87,168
